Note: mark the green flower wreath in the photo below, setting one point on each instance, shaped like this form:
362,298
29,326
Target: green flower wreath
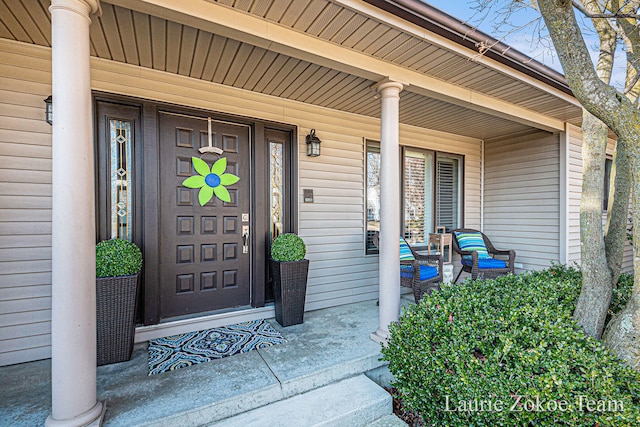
211,181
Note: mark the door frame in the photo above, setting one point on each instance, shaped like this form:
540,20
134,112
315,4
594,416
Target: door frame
147,210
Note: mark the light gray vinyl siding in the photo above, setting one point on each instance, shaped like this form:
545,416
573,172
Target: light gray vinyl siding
25,205
574,176
575,190
627,260
522,198
332,227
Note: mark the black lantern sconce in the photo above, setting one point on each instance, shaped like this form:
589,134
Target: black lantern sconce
48,110
313,144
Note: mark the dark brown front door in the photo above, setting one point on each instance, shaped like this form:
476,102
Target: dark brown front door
205,263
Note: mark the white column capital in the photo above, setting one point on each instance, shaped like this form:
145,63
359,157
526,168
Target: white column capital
81,7
388,83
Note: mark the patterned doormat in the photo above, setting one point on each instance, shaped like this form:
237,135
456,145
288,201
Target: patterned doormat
177,351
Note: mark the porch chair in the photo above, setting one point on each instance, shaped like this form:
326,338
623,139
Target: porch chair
478,255
422,273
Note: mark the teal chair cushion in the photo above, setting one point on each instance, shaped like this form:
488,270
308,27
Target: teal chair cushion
405,251
472,242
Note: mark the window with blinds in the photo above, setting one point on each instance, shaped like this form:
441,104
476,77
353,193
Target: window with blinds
448,200
431,193
372,196
418,195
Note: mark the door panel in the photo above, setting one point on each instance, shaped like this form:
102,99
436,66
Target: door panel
202,263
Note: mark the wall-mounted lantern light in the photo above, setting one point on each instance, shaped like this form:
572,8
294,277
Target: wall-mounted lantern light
48,110
313,144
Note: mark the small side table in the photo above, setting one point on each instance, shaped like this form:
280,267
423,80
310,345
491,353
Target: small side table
441,240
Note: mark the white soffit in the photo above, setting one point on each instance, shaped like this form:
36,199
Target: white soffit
347,52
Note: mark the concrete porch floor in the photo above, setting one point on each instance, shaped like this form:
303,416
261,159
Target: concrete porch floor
330,345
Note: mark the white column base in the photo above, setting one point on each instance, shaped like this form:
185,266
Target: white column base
91,418
381,337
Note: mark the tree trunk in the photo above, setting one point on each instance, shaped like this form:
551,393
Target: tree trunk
599,98
620,115
615,235
623,332
595,296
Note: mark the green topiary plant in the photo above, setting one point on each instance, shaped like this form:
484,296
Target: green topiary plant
117,257
288,247
507,352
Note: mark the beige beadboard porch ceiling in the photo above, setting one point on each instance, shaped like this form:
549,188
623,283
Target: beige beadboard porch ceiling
133,37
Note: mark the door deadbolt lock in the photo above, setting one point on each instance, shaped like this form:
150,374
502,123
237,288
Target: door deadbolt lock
245,239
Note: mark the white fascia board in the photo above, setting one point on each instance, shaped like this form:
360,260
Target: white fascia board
251,29
442,42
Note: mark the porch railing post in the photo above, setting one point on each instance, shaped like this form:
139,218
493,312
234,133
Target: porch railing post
73,307
389,259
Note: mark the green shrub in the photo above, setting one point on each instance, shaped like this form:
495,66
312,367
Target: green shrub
621,294
510,340
117,257
288,247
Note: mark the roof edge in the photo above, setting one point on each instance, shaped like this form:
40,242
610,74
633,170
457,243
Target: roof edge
445,25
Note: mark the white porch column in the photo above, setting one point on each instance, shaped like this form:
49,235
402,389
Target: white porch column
389,260
73,311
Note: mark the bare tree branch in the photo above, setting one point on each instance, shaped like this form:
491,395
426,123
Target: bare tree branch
631,36
608,40
631,86
613,15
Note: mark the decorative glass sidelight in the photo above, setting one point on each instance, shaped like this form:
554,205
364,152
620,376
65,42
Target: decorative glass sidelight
121,149
276,187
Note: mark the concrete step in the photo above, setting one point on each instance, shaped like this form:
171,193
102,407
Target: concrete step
354,402
388,421
245,392
330,346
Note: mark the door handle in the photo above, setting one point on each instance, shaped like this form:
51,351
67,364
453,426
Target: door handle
245,239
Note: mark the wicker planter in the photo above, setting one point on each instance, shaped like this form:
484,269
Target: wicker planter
115,317
290,289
